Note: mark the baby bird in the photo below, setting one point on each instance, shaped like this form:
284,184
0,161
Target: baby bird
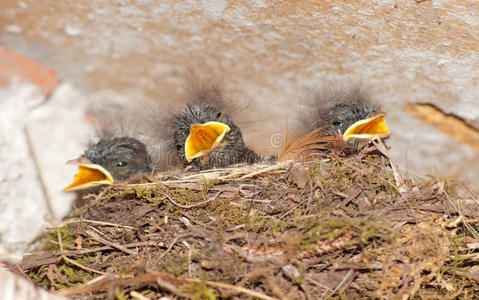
109,161
354,118
341,119
206,137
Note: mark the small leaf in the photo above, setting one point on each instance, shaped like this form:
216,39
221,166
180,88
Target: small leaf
300,176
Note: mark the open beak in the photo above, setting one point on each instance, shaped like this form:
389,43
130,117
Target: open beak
88,175
368,128
204,138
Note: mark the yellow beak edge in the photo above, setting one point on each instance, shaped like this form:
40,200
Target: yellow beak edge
88,175
368,128
204,138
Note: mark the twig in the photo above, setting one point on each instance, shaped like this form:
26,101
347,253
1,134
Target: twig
191,205
458,210
235,173
53,254
345,279
43,185
71,221
97,198
290,210
251,203
165,280
305,290
138,296
272,168
132,245
107,282
400,182
10,257
244,193
317,283
64,257
97,238
275,288
170,247
310,199
189,257
293,273
166,283
232,287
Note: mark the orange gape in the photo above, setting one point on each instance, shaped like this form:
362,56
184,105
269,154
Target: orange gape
204,138
88,175
368,128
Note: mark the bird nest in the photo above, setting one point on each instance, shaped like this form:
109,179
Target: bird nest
341,227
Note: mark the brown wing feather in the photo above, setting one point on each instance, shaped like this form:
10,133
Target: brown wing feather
310,146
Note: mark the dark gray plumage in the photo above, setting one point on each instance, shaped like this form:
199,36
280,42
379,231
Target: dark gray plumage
338,117
123,157
337,106
329,111
205,107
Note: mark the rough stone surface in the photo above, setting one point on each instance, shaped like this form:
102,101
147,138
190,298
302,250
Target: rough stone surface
36,139
13,286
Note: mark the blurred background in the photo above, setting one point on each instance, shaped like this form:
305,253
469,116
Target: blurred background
60,57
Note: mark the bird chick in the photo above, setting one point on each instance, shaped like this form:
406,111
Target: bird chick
341,119
206,137
109,161
353,119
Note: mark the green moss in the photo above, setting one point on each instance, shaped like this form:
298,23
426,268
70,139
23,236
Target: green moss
207,185
75,274
199,291
67,235
176,266
38,279
280,213
118,267
120,294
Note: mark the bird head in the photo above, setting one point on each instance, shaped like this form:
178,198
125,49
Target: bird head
110,161
354,120
341,119
201,130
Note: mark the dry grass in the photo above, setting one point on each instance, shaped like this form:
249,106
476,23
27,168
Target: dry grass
343,227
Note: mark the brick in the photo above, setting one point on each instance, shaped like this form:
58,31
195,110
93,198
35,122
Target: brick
14,65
